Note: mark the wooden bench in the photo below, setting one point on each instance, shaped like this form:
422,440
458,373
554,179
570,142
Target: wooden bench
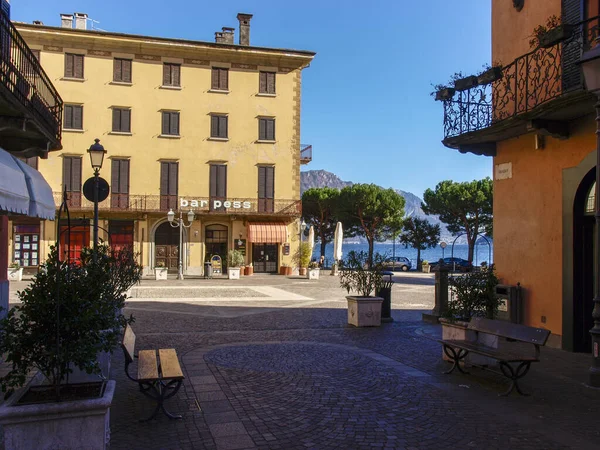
519,357
158,377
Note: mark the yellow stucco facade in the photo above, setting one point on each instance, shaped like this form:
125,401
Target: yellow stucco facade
140,213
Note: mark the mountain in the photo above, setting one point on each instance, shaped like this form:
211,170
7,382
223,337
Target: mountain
412,208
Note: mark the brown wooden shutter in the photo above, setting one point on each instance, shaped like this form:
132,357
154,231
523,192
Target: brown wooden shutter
214,84
262,129
76,175
262,82
68,117
262,178
224,79
270,182
214,126
166,116
77,117
126,120
69,65
117,69
116,119
166,75
270,129
174,124
67,166
270,82
78,66
114,176
223,126
164,178
222,181
124,176
175,74
126,70
213,180
173,178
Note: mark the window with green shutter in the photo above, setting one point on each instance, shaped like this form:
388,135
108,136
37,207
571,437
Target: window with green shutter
220,79
266,129
73,117
218,126
266,84
121,120
122,70
170,123
171,74
73,65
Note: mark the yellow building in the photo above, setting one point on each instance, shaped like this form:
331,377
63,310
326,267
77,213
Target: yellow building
187,125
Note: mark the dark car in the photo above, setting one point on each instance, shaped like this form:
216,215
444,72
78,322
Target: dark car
397,263
454,264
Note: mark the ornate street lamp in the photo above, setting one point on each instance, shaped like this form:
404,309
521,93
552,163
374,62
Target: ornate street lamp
590,63
97,153
179,223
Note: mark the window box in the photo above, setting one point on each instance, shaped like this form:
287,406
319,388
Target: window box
445,94
490,75
463,84
556,35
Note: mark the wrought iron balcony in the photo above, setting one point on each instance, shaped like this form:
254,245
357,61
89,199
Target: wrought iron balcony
128,203
30,106
539,91
305,153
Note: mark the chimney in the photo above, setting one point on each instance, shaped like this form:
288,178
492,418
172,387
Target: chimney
244,28
228,34
66,20
38,22
81,21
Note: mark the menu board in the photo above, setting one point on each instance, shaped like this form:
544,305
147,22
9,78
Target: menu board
216,263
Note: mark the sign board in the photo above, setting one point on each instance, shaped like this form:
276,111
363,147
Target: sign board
240,245
232,204
286,248
503,171
503,306
443,244
103,189
217,266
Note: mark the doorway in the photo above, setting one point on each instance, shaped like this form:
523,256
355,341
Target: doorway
166,242
265,258
215,239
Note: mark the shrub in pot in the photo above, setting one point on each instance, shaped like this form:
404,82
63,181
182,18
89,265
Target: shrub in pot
160,271
425,267
235,259
15,272
313,270
69,314
356,276
302,257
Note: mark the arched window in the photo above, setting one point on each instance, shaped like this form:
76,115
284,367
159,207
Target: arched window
590,203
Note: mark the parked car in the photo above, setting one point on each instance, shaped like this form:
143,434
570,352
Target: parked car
458,264
397,263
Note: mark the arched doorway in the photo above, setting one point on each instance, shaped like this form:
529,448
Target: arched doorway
584,246
166,242
215,239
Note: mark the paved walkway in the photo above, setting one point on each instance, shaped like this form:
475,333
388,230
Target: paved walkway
271,363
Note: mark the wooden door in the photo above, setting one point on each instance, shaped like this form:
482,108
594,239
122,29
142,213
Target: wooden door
264,258
166,241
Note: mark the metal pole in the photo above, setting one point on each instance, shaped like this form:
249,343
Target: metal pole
595,331
96,173
394,253
180,267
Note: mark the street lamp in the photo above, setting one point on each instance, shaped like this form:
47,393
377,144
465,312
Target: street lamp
179,223
590,63
97,153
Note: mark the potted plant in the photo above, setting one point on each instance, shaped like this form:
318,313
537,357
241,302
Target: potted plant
444,93
313,270
302,257
160,271
234,260
285,269
364,310
425,267
546,36
249,269
489,75
69,314
462,84
473,295
15,272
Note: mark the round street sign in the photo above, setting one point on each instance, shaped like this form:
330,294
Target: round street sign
103,189
443,244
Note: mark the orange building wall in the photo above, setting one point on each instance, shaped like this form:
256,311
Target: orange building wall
511,30
528,233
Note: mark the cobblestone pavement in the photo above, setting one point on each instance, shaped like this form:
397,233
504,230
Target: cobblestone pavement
283,370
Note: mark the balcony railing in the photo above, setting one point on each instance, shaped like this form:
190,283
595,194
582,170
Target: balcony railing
200,205
22,75
528,82
305,153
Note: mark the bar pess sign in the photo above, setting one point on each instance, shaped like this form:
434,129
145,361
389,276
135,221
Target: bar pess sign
236,204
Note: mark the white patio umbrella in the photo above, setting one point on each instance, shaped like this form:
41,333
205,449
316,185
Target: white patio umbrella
337,242
311,239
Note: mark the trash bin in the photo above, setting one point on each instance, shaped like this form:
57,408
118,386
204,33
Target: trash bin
511,306
385,292
208,270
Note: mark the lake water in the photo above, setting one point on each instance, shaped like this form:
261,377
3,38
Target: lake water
482,252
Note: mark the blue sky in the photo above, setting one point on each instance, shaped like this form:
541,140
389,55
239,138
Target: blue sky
366,107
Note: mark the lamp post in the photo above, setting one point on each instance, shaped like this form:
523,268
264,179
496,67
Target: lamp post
302,228
97,153
590,63
179,223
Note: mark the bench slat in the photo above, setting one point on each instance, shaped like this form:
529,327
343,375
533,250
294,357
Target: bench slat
510,330
147,366
489,351
128,343
169,364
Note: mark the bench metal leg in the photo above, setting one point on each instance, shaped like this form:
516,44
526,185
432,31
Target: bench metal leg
456,357
514,375
160,391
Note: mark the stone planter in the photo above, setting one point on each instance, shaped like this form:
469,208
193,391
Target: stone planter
425,268
233,273
249,270
364,311
458,331
69,424
160,273
313,274
14,274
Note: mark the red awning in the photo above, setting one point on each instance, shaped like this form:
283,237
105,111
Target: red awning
267,233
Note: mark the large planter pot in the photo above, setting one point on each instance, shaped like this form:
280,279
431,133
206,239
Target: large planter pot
302,271
364,311
313,274
425,268
458,331
233,273
68,424
249,270
15,274
160,273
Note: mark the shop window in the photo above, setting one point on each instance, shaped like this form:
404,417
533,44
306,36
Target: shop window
26,241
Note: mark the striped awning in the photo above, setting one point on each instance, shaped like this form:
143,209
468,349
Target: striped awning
267,232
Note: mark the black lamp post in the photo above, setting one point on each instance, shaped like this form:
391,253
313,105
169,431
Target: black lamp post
590,63
181,224
96,152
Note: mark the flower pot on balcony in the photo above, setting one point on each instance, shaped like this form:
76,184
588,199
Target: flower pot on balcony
233,273
555,35
15,273
490,75
463,84
445,94
160,273
364,311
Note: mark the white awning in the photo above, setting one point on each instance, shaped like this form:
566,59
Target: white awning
23,190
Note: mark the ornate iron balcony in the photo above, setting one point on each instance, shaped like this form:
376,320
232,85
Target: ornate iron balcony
529,82
28,95
305,153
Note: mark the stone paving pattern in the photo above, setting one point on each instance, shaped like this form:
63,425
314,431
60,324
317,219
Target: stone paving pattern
291,374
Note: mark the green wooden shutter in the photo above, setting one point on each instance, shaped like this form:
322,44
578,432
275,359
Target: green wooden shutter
67,166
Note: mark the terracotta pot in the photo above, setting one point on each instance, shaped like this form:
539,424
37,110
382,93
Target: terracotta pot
302,271
249,270
288,271
282,270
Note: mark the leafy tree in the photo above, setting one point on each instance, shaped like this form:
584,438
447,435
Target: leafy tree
464,207
371,211
319,209
420,234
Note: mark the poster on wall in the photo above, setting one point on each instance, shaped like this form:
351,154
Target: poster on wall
286,248
216,264
240,244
